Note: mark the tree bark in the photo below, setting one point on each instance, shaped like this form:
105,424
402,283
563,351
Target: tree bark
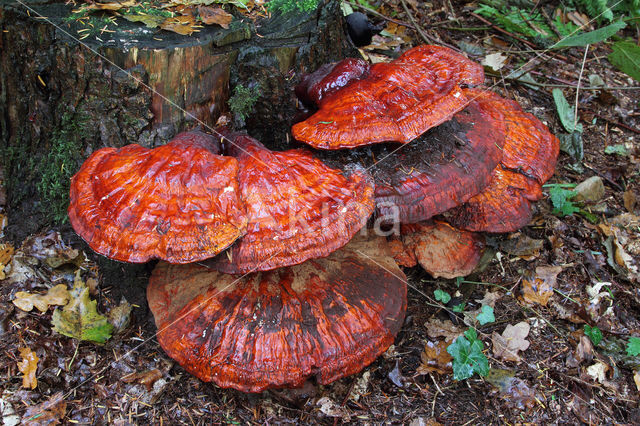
68,88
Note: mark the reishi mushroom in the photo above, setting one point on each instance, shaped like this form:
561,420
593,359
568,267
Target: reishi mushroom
178,202
297,207
441,250
529,156
396,101
327,317
327,310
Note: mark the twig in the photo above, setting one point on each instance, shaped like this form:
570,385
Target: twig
575,116
427,38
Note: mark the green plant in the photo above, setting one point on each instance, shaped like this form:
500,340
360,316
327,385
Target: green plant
242,102
442,296
633,346
285,6
594,334
596,9
486,315
467,356
561,199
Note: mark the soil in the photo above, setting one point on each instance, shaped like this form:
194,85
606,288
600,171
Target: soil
130,380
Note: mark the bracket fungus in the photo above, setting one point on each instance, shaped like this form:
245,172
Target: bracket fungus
327,317
529,157
441,250
178,202
396,101
297,207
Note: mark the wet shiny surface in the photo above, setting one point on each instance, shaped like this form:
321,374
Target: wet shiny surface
178,202
327,318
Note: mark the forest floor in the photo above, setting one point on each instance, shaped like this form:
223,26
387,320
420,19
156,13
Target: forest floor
552,278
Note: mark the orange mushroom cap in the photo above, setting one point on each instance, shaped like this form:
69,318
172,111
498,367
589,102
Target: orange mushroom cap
529,157
441,250
397,101
178,202
327,317
440,170
298,208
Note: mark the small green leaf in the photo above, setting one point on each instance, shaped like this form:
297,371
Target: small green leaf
467,356
561,200
633,347
486,316
626,57
565,112
442,296
459,307
80,319
591,37
594,334
618,149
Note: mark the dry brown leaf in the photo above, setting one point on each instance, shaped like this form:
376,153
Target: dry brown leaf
490,298
584,350
435,358
6,251
522,246
49,412
636,378
109,6
28,367
58,295
180,24
215,15
598,371
146,378
629,199
538,288
512,340
512,389
437,328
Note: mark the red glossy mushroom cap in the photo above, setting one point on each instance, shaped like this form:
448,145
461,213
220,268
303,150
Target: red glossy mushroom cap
397,101
330,78
327,318
441,250
530,154
178,202
298,208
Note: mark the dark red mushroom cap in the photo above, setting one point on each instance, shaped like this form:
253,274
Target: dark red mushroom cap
298,208
530,154
329,78
397,101
327,318
178,202
442,250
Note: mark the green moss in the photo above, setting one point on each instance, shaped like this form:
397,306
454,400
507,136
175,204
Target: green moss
242,102
60,163
286,6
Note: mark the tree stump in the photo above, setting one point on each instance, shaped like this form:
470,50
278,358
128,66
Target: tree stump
69,87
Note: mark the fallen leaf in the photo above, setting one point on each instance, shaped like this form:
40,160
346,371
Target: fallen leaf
522,246
396,376
511,388
215,15
584,350
151,21
437,328
80,319
6,252
495,61
146,378
629,199
58,295
512,341
435,358
598,371
120,316
360,388
49,412
538,287
636,378
180,24
490,298
109,6
28,367
330,408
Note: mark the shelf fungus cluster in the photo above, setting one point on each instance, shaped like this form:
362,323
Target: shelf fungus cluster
264,279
